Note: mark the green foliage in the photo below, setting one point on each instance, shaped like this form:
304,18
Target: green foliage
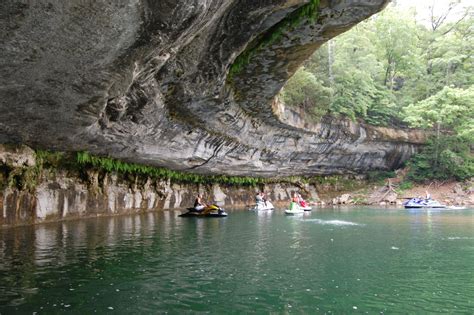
85,160
26,178
380,176
337,182
397,46
303,90
308,12
443,158
382,65
450,108
21,178
49,159
405,185
391,70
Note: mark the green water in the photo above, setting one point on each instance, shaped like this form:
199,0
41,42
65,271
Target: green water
329,261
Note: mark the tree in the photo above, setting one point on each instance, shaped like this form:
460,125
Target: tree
304,90
397,43
386,63
450,111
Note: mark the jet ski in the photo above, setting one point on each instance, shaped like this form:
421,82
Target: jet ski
418,203
294,209
305,206
261,206
212,211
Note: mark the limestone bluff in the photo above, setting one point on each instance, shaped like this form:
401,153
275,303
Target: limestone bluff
148,82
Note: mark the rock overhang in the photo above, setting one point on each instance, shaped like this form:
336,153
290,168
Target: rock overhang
149,82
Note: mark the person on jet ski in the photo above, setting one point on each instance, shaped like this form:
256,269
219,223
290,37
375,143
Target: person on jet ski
264,198
294,201
199,205
301,201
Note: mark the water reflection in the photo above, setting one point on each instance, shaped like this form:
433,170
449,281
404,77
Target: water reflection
264,262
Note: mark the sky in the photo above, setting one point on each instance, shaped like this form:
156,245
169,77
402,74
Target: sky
423,8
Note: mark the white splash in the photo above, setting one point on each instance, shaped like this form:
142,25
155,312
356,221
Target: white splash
333,222
460,238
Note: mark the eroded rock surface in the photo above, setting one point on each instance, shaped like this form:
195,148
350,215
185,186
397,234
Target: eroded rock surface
147,81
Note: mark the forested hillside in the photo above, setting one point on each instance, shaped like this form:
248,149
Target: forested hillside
395,70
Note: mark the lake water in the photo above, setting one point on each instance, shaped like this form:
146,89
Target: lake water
353,260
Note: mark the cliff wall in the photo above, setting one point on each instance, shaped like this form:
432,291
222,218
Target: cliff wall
58,194
151,82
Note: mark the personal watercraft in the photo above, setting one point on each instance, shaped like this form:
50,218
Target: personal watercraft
417,203
294,209
262,206
305,206
212,211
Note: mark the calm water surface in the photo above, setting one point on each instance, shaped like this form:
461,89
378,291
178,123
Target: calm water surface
354,260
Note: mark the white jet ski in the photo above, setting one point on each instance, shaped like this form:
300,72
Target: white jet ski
306,208
294,209
262,206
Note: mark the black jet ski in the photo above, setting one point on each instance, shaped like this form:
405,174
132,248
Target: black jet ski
212,211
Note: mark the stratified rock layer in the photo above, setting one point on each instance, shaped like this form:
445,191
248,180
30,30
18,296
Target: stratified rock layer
147,81
61,197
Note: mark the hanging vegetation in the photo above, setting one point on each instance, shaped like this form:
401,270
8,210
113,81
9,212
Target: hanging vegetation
113,165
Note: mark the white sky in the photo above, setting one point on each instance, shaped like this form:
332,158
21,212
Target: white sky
423,8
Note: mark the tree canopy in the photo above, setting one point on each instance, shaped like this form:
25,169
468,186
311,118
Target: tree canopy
393,70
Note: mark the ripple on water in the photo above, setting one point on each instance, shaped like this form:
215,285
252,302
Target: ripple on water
244,264
333,222
451,238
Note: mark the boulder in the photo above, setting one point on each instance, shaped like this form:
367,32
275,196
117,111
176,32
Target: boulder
17,156
457,189
391,198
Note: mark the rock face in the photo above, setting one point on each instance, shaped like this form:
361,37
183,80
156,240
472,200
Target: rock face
63,197
59,193
147,81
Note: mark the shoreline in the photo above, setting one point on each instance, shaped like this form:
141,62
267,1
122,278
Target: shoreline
450,193
51,187
279,208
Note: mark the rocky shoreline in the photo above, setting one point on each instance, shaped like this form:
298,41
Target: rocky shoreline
450,193
32,193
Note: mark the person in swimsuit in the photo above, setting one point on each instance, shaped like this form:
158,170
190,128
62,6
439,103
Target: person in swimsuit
198,203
